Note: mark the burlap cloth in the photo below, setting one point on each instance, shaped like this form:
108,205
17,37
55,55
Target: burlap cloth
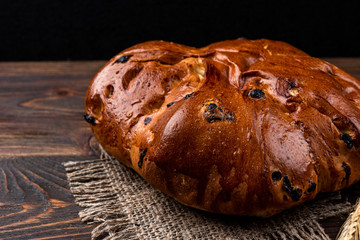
126,207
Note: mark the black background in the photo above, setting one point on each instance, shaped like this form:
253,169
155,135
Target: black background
90,29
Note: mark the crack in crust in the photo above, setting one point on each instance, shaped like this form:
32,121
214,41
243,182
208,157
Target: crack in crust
245,127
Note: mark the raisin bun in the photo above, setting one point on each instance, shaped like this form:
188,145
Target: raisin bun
242,127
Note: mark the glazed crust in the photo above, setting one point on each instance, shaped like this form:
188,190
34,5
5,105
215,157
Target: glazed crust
243,127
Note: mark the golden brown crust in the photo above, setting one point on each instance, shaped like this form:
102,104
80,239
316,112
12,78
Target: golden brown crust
246,127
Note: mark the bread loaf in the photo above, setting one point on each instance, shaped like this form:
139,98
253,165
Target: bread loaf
242,127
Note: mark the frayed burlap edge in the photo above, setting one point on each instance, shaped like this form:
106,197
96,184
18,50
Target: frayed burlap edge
91,184
124,206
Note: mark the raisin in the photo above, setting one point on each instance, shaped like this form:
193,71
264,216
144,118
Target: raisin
347,140
211,106
142,156
214,113
286,184
347,170
123,59
210,113
276,176
188,95
229,116
90,119
170,104
312,186
147,120
295,194
257,93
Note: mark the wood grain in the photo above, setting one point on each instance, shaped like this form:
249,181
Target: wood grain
42,126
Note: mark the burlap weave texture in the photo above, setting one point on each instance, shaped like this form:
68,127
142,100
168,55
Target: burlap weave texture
126,207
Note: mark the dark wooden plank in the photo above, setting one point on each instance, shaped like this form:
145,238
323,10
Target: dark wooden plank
42,108
41,126
349,65
35,200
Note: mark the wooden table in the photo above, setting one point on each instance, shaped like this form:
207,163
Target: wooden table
42,126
